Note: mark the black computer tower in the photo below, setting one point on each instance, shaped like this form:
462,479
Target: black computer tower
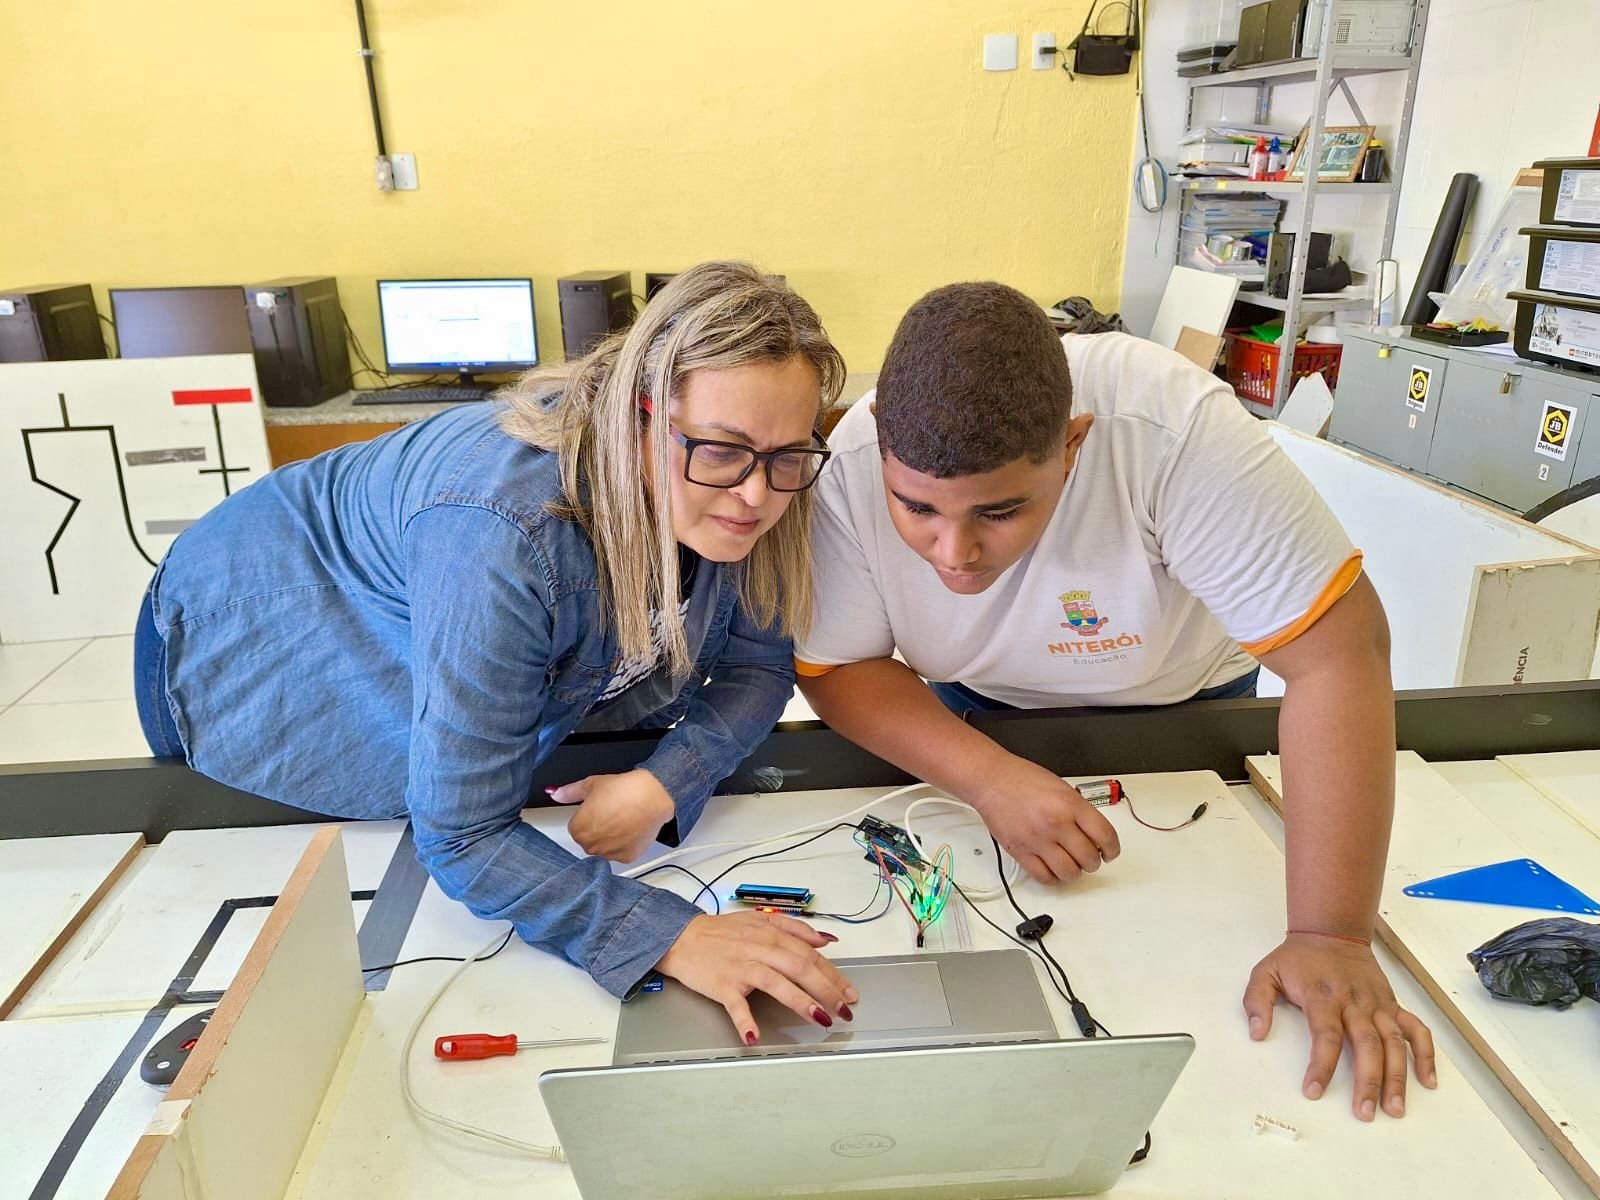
297,331
593,304
47,324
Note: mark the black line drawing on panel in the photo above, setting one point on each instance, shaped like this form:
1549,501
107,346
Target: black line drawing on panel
222,468
67,426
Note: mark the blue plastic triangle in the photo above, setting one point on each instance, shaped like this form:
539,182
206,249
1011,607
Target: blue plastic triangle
1519,883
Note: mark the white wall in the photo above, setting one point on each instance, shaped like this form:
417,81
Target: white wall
1503,82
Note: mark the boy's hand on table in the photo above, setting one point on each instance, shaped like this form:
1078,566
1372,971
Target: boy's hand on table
1042,822
1345,996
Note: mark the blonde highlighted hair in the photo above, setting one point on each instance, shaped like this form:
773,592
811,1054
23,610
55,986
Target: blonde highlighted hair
711,317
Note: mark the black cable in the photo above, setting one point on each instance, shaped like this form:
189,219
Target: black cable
406,962
856,918
115,348
372,79
1080,1011
1088,1024
362,357
1010,937
704,887
768,854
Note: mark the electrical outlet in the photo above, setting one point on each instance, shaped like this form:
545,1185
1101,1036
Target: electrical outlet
999,52
385,174
1044,51
405,172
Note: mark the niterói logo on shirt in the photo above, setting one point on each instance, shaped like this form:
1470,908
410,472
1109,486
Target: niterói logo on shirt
1086,622
1081,616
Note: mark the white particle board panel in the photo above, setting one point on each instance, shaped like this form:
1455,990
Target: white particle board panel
1199,300
50,1068
48,887
1437,831
235,1119
1571,780
1531,623
1163,939
1536,821
1425,549
102,463
127,953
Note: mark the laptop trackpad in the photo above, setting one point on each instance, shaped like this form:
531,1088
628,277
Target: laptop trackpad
894,996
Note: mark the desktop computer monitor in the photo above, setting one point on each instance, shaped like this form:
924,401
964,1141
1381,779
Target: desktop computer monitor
461,325
169,322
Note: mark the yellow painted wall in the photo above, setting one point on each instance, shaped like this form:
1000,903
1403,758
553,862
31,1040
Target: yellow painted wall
854,145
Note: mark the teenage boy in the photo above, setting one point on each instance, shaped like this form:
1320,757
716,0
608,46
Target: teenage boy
1108,527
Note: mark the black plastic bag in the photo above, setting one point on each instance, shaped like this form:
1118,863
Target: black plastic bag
1553,961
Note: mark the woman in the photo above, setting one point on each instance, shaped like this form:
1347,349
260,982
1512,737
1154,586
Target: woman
409,626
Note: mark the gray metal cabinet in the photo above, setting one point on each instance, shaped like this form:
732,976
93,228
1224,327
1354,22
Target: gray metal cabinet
1587,465
1491,437
1388,399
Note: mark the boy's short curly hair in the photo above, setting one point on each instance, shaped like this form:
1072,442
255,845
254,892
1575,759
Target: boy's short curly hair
974,379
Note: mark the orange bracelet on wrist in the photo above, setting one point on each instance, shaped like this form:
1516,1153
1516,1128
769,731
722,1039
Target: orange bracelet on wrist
1338,937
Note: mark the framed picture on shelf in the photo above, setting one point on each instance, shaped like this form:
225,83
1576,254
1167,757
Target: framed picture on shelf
1338,158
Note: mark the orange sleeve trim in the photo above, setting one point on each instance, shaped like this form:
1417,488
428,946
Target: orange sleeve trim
812,670
1343,580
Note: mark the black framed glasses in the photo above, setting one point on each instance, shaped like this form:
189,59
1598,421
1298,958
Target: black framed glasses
728,464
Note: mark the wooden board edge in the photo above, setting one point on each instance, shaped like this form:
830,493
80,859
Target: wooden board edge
203,1059
1547,1125
161,1165
130,1181
71,927
1259,781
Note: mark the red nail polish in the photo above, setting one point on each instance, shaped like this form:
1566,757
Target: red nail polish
844,1011
831,937
750,1038
821,1018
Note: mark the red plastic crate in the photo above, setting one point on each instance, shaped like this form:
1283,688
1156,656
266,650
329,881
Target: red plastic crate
1253,365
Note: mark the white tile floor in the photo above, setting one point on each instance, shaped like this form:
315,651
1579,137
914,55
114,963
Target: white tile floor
68,700
62,701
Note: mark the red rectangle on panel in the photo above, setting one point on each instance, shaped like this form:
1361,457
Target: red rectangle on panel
213,396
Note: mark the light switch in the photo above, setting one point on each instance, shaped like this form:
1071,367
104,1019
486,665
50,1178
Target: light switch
1000,52
405,172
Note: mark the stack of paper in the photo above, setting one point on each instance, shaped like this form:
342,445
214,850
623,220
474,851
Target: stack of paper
1224,149
1213,220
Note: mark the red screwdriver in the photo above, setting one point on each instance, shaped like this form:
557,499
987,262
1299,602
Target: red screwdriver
487,1045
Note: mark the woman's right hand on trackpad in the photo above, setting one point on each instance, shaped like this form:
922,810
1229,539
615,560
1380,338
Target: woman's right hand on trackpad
727,957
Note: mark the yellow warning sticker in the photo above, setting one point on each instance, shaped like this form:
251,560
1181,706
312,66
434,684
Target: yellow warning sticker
1417,389
1555,431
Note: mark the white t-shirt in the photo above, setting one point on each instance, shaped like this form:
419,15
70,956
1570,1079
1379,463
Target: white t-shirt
1184,539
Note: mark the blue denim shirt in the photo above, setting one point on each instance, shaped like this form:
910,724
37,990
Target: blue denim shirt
402,628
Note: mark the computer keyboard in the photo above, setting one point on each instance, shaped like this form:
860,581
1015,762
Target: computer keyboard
418,395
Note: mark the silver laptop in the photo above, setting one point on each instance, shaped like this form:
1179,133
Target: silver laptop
916,1115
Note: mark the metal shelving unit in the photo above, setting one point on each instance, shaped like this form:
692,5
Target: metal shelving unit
1329,72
